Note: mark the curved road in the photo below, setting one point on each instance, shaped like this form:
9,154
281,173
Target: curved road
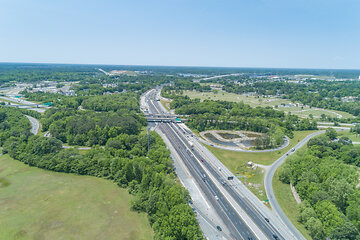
284,145
269,188
35,124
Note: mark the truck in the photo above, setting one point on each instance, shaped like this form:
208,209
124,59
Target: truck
191,144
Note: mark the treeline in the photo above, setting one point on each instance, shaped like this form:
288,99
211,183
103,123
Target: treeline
225,115
185,84
125,160
327,185
315,93
13,124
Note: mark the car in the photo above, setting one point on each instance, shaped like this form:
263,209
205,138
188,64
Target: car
293,149
266,219
275,237
216,197
250,238
202,160
218,228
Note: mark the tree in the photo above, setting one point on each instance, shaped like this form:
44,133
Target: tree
331,133
344,232
329,215
315,228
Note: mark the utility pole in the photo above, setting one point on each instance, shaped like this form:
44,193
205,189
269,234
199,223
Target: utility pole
148,135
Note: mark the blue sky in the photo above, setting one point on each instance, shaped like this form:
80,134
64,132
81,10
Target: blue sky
230,33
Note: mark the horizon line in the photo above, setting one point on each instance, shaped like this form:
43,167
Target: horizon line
178,66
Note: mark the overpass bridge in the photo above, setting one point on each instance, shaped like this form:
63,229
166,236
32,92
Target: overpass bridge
163,118
27,105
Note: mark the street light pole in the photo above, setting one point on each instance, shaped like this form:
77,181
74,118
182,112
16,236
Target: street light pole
148,135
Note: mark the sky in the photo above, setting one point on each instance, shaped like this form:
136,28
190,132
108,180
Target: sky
222,33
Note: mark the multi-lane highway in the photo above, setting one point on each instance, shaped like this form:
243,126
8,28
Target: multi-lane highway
243,217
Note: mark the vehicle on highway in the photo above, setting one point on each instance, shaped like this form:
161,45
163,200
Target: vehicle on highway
293,149
275,237
266,219
216,197
218,228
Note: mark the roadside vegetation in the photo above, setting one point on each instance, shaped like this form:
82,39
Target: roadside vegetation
288,203
237,163
326,179
222,115
114,127
125,160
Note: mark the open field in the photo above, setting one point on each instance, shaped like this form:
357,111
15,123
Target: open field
256,101
232,159
165,103
237,161
352,136
287,203
232,97
40,204
316,113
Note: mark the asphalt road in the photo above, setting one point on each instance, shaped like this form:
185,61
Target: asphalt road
237,227
269,188
251,212
237,149
35,124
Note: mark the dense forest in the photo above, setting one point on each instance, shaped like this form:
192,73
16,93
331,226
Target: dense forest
101,118
325,178
13,123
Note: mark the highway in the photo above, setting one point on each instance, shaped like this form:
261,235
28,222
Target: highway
244,218
237,228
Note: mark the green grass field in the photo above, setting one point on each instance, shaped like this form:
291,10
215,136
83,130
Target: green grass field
287,203
40,204
236,162
166,104
232,97
255,101
352,136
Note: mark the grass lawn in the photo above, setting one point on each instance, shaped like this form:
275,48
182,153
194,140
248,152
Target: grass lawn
233,159
255,101
353,136
236,163
40,204
287,203
232,97
166,104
